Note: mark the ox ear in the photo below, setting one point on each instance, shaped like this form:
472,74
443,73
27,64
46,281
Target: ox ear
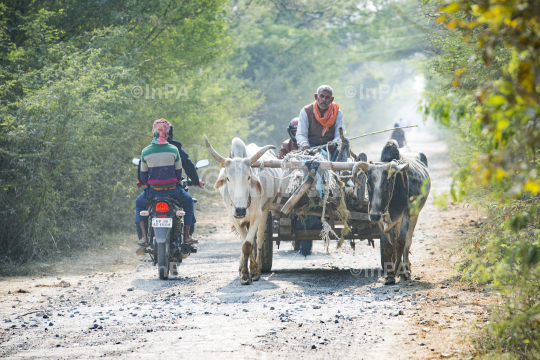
256,185
222,179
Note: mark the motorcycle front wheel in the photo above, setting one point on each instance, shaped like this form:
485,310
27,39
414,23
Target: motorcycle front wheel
163,261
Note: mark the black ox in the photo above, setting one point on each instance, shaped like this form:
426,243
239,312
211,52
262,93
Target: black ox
398,187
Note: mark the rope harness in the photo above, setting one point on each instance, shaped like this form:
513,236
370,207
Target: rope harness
327,229
386,214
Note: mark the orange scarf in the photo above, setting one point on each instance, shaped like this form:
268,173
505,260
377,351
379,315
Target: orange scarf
329,118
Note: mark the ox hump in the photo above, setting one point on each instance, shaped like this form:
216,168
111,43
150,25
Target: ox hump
238,148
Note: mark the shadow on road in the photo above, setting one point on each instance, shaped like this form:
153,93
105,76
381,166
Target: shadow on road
233,291
308,280
157,284
326,280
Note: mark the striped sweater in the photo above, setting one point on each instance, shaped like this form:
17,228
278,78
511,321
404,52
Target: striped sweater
161,166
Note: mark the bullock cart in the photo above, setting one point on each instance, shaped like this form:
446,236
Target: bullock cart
322,190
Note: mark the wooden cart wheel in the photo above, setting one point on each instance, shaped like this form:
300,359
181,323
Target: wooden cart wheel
268,246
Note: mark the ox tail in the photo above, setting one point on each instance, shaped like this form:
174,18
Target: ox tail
234,232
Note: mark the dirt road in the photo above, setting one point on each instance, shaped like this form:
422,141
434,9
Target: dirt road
113,305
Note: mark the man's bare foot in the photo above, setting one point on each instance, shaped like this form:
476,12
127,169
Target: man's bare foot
191,240
187,236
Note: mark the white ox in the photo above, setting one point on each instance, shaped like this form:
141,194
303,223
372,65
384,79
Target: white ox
247,194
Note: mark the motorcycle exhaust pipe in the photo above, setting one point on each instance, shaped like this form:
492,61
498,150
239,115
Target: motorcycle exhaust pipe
185,250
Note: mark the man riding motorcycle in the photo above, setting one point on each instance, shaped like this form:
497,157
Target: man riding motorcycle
399,136
161,171
290,144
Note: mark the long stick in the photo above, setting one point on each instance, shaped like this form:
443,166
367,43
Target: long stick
364,135
378,132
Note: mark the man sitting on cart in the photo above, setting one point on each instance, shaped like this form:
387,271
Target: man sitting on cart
320,121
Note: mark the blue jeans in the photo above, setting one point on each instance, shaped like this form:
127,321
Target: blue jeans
177,193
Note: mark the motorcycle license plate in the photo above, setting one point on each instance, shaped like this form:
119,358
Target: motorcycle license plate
162,223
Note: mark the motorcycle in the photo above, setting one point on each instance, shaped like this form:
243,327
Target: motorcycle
166,230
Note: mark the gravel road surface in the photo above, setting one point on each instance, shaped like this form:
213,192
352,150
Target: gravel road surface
322,306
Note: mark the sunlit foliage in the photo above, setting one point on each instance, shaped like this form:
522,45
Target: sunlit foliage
489,54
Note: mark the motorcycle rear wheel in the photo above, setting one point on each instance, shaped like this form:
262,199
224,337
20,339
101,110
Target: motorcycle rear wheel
163,261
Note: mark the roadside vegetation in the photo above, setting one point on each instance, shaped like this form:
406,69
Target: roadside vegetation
488,63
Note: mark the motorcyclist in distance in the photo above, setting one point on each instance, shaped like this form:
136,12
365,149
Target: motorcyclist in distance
399,136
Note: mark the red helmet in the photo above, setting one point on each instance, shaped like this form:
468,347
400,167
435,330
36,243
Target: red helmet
293,125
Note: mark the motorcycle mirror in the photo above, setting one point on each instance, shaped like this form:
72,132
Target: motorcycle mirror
202,163
136,161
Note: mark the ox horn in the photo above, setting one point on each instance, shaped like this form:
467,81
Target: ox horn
362,165
260,153
395,167
213,152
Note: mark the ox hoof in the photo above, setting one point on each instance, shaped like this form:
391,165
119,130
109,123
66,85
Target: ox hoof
255,276
404,278
245,278
389,280
246,281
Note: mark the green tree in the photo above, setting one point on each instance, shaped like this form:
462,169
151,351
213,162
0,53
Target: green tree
288,48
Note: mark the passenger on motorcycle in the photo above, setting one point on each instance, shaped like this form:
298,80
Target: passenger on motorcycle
289,144
161,171
187,166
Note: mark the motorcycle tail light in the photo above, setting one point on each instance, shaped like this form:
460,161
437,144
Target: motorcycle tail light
180,213
144,213
162,207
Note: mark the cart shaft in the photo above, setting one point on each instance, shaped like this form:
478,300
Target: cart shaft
323,165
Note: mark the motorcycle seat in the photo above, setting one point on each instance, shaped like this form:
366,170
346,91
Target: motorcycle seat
165,198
